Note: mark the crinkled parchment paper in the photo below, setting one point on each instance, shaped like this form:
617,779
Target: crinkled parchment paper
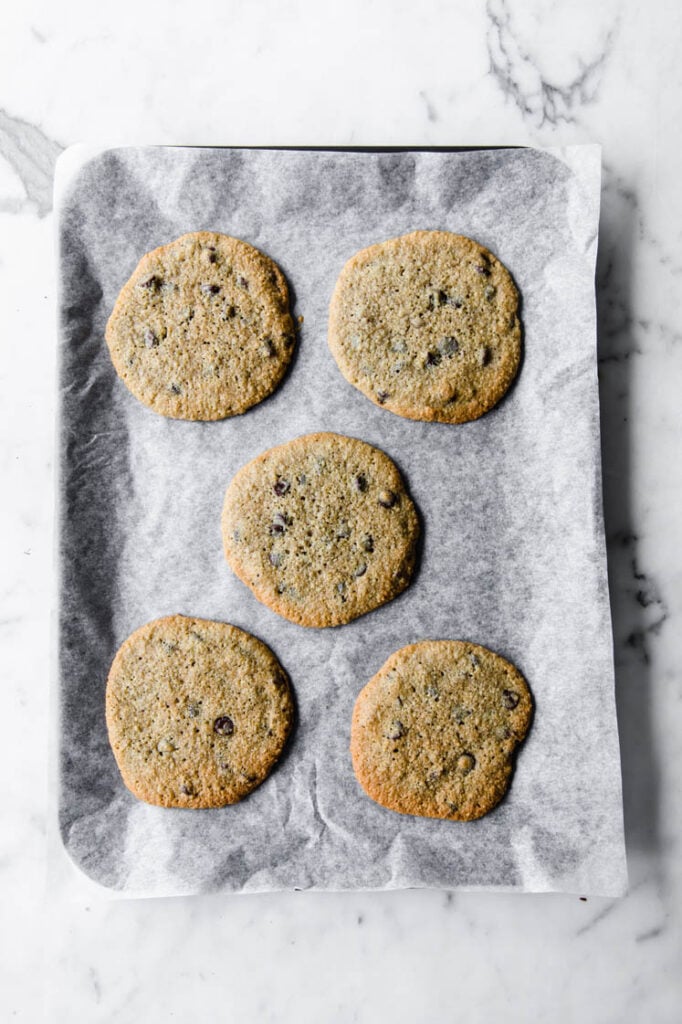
513,555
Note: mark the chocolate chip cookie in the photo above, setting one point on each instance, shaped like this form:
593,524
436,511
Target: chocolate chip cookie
198,712
321,529
202,329
434,731
427,325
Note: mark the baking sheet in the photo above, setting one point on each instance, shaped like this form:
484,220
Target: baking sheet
513,554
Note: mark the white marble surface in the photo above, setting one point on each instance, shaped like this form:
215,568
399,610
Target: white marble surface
435,73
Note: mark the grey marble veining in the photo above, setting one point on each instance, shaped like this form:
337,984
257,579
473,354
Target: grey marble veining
524,74
508,72
32,156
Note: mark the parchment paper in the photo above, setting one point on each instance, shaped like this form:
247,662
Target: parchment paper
513,554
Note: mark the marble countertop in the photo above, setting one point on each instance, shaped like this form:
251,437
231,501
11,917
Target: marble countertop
527,72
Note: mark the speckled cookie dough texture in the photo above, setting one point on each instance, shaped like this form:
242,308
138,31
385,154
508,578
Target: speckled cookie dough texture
202,329
321,529
435,730
198,712
427,326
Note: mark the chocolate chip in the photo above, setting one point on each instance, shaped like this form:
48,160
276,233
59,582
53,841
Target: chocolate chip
279,523
150,338
433,359
436,299
368,543
387,499
276,559
484,354
448,346
465,763
210,251
151,282
210,289
360,482
510,699
382,396
480,269
441,298
223,726
176,389
268,348
242,282
396,730
187,789
361,570
281,487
